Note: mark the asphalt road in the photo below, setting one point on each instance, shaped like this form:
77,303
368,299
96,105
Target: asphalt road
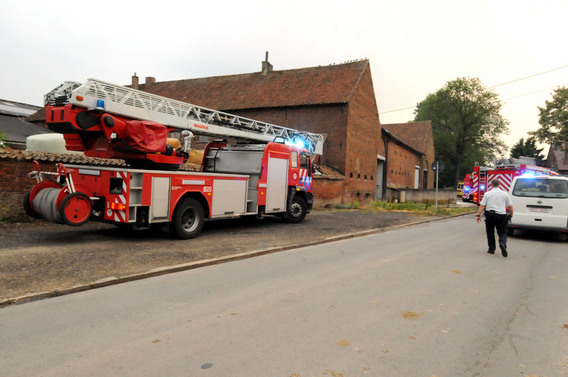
42,259
424,300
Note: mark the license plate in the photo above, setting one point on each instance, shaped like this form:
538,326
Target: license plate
539,210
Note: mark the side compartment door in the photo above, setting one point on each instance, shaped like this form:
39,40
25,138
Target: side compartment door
277,182
229,197
160,209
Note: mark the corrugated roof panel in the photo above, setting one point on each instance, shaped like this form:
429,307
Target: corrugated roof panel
16,108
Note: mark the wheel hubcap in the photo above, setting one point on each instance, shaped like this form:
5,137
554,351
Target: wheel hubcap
296,209
188,220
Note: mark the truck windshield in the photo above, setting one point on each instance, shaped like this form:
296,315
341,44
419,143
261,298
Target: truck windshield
541,188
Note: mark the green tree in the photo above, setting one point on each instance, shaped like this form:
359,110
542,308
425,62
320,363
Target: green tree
466,124
528,148
553,119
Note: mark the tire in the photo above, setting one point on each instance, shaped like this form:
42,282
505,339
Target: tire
297,210
188,219
75,209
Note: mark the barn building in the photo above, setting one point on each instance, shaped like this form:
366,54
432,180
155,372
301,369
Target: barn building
336,100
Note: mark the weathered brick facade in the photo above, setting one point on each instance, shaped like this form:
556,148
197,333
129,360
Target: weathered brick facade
12,189
15,184
401,166
364,141
410,154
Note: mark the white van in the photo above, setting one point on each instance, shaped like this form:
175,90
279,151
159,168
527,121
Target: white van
539,203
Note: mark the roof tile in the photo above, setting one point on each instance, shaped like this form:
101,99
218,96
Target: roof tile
415,135
296,87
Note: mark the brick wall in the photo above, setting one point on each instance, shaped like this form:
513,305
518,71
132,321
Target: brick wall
400,166
364,141
14,184
328,191
325,119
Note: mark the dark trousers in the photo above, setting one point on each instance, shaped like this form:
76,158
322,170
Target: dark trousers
495,221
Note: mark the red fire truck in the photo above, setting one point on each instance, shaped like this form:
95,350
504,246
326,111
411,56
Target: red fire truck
482,176
263,171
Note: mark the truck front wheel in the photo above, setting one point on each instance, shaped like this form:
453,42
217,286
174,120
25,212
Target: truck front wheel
297,210
188,219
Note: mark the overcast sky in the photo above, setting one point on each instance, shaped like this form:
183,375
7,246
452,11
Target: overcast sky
414,46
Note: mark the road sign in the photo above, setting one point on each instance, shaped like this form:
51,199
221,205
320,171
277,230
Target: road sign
438,166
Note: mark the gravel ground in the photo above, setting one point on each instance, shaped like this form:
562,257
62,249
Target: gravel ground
40,259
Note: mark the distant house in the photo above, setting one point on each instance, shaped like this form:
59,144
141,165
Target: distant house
410,154
13,123
557,158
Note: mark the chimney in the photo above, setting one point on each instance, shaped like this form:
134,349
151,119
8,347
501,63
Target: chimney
150,80
266,66
135,81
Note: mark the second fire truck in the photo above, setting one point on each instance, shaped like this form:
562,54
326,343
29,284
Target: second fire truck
264,172
482,176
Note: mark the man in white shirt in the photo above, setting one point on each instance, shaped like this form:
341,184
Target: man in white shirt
498,208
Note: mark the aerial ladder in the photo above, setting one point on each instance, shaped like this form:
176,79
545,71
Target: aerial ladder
83,112
264,169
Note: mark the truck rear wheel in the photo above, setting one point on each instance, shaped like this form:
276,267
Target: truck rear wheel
188,219
297,210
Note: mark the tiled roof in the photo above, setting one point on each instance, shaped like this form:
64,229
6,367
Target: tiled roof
331,84
68,158
325,172
415,135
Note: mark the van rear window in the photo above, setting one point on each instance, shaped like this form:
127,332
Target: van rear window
541,188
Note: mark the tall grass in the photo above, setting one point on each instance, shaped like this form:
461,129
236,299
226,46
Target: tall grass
417,208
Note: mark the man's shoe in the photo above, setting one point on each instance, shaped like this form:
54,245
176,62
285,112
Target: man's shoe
490,251
503,248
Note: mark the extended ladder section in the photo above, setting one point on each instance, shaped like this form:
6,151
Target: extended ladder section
120,100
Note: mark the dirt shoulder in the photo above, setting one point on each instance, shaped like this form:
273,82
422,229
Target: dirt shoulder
42,259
